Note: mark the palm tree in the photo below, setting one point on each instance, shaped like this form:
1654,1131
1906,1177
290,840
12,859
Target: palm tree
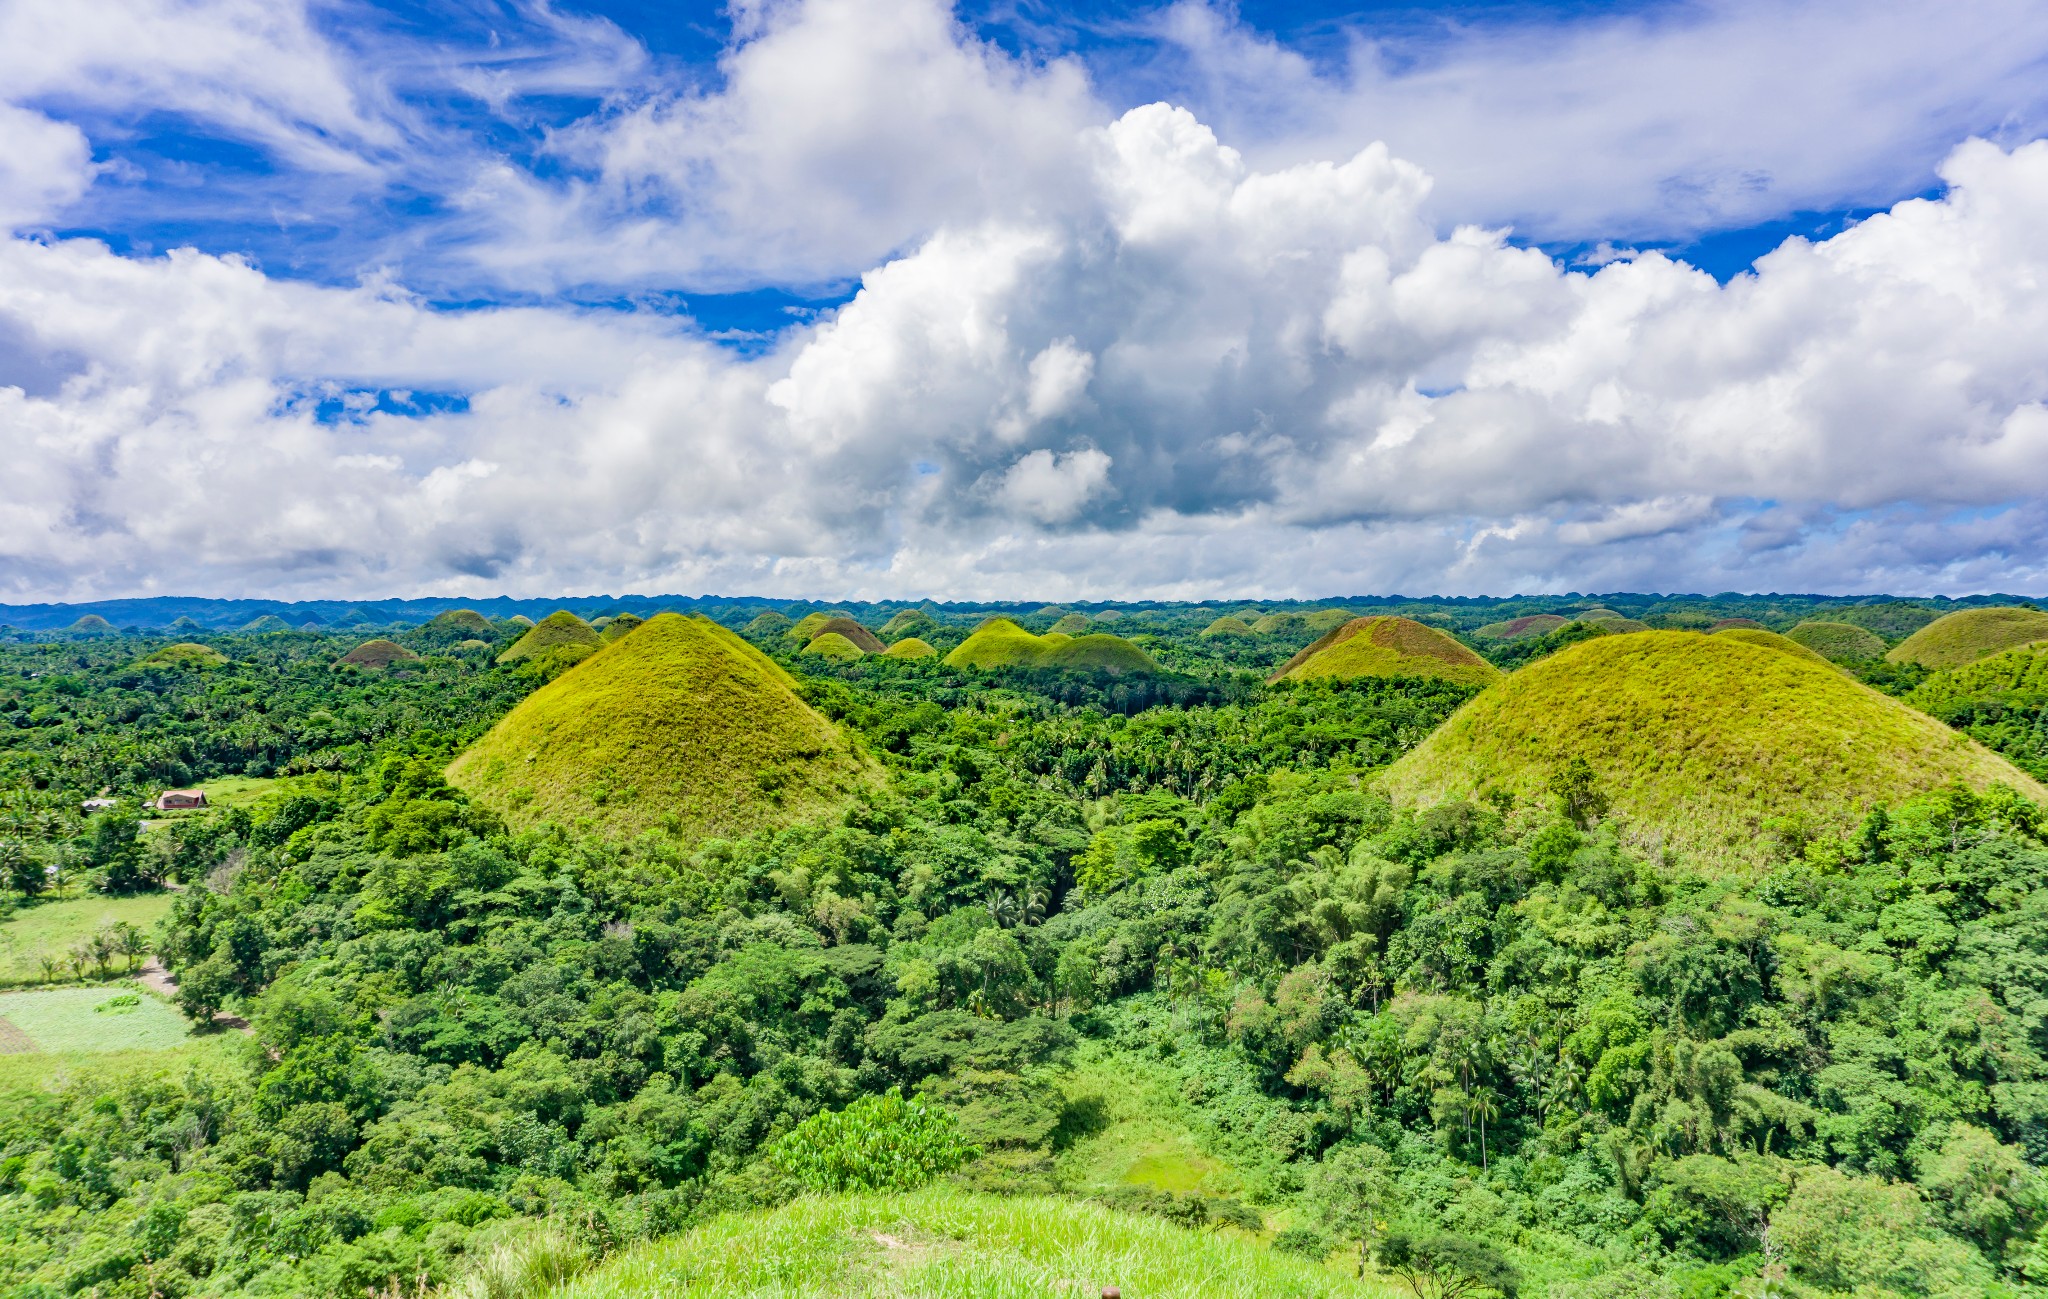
131,942
50,965
1485,1103
102,948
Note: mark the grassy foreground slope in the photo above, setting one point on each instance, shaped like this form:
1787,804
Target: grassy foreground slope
1970,634
1698,742
945,1244
681,725
1388,647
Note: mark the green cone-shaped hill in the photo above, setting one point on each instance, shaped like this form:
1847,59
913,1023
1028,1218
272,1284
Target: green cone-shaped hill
560,633
1970,634
683,725
1698,742
1387,647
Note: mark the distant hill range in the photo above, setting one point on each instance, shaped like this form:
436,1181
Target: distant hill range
159,613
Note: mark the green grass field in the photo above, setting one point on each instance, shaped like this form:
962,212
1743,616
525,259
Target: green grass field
1000,643
1838,642
941,1243
89,1020
41,1071
54,924
1141,1143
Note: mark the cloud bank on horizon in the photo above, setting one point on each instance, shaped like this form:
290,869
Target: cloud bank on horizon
300,301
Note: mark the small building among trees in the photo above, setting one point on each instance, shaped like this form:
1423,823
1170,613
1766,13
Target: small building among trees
177,800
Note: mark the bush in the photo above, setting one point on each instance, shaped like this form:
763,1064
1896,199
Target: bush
523,1266
878,1143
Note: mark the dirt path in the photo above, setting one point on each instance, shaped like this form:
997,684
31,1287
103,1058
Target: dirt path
158,980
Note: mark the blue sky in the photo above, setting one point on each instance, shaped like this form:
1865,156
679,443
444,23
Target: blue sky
832,296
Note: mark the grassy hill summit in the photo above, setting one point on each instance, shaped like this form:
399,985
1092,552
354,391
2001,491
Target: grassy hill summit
1227,625
908,622
1000,643
832,645
807,627
1533,625
910,647
1970,634
184,655
769,623
468,620
619,626
1838,642
269,622
1770,640
846,628
560,634
1698,743
1386,646
1072,624
379,653
681,725
90,624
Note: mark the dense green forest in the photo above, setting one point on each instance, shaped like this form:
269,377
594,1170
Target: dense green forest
1488,1046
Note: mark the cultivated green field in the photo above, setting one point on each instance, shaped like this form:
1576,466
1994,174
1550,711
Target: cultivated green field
942,1244
102,1017
52,926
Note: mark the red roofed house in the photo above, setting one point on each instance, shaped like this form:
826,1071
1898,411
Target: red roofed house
172,800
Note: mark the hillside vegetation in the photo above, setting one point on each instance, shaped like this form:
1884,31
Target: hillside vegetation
1838,642
1387,647
1227,625
908,622
2000,701
1970,634
681,726
1699,743
910,647
1000,643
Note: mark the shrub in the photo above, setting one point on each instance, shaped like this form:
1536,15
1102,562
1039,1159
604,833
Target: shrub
878,1143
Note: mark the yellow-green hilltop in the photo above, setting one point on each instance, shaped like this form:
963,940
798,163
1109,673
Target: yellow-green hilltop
379,653
468,620
1698,743
1386,646
681,726
561,635
619,626
1838,642
1970,634
269,622
2019,672
769,623
812,623
1227,625
1535,624
90,624
1072,624
519,620
851,632
909,622
1000,643
184,655
832,645
1318,621
910,647
1770,640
